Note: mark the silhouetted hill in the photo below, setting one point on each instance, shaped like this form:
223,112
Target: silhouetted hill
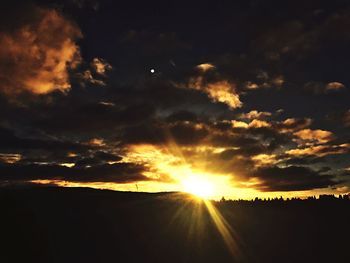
85,225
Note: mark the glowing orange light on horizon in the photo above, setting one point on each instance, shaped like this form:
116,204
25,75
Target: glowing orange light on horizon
198,186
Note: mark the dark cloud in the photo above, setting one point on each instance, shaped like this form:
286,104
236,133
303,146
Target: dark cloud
98,158
293,178
346,118
10,141
324,88
116,173
182,115
104,116
306,160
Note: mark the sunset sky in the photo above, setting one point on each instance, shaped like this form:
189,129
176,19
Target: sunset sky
240,99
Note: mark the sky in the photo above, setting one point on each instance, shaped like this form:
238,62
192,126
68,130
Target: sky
240,99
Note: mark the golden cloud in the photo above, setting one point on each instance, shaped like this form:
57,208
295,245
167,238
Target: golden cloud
319,136
253,124
262,160
256,114
251,85
37,57
239,124
96,142
223,92
205,67
220,91
259,124
321,150
293,124
10,157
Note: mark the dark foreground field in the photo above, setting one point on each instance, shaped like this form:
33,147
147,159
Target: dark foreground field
84,225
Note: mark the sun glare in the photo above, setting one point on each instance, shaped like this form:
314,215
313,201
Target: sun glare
200,187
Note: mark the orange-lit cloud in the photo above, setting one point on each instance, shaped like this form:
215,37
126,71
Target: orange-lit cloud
223,91
220,91
256,114
293,124
319,136
264,81
264,159
335,86
251,85
100,66
87,76
321,150
10,157
205,67
96,142
98,69
253,124
278,81
37,57
258,124
239,124
324,88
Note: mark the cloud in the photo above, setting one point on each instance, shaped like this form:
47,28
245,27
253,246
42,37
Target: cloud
266,81
255,123
294,124
180,132
219,91
87,77
293,38
239,124
335,86
292,178
319,136
96,142
100,66
37,57
260,79
80,117
346,118
205,67
223,92
320,150
251,85
96,73
118,173
261,160
254,114
9,141
182,115
324,88
258,124
10,157
98,158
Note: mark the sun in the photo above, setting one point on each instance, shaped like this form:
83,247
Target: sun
198,186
